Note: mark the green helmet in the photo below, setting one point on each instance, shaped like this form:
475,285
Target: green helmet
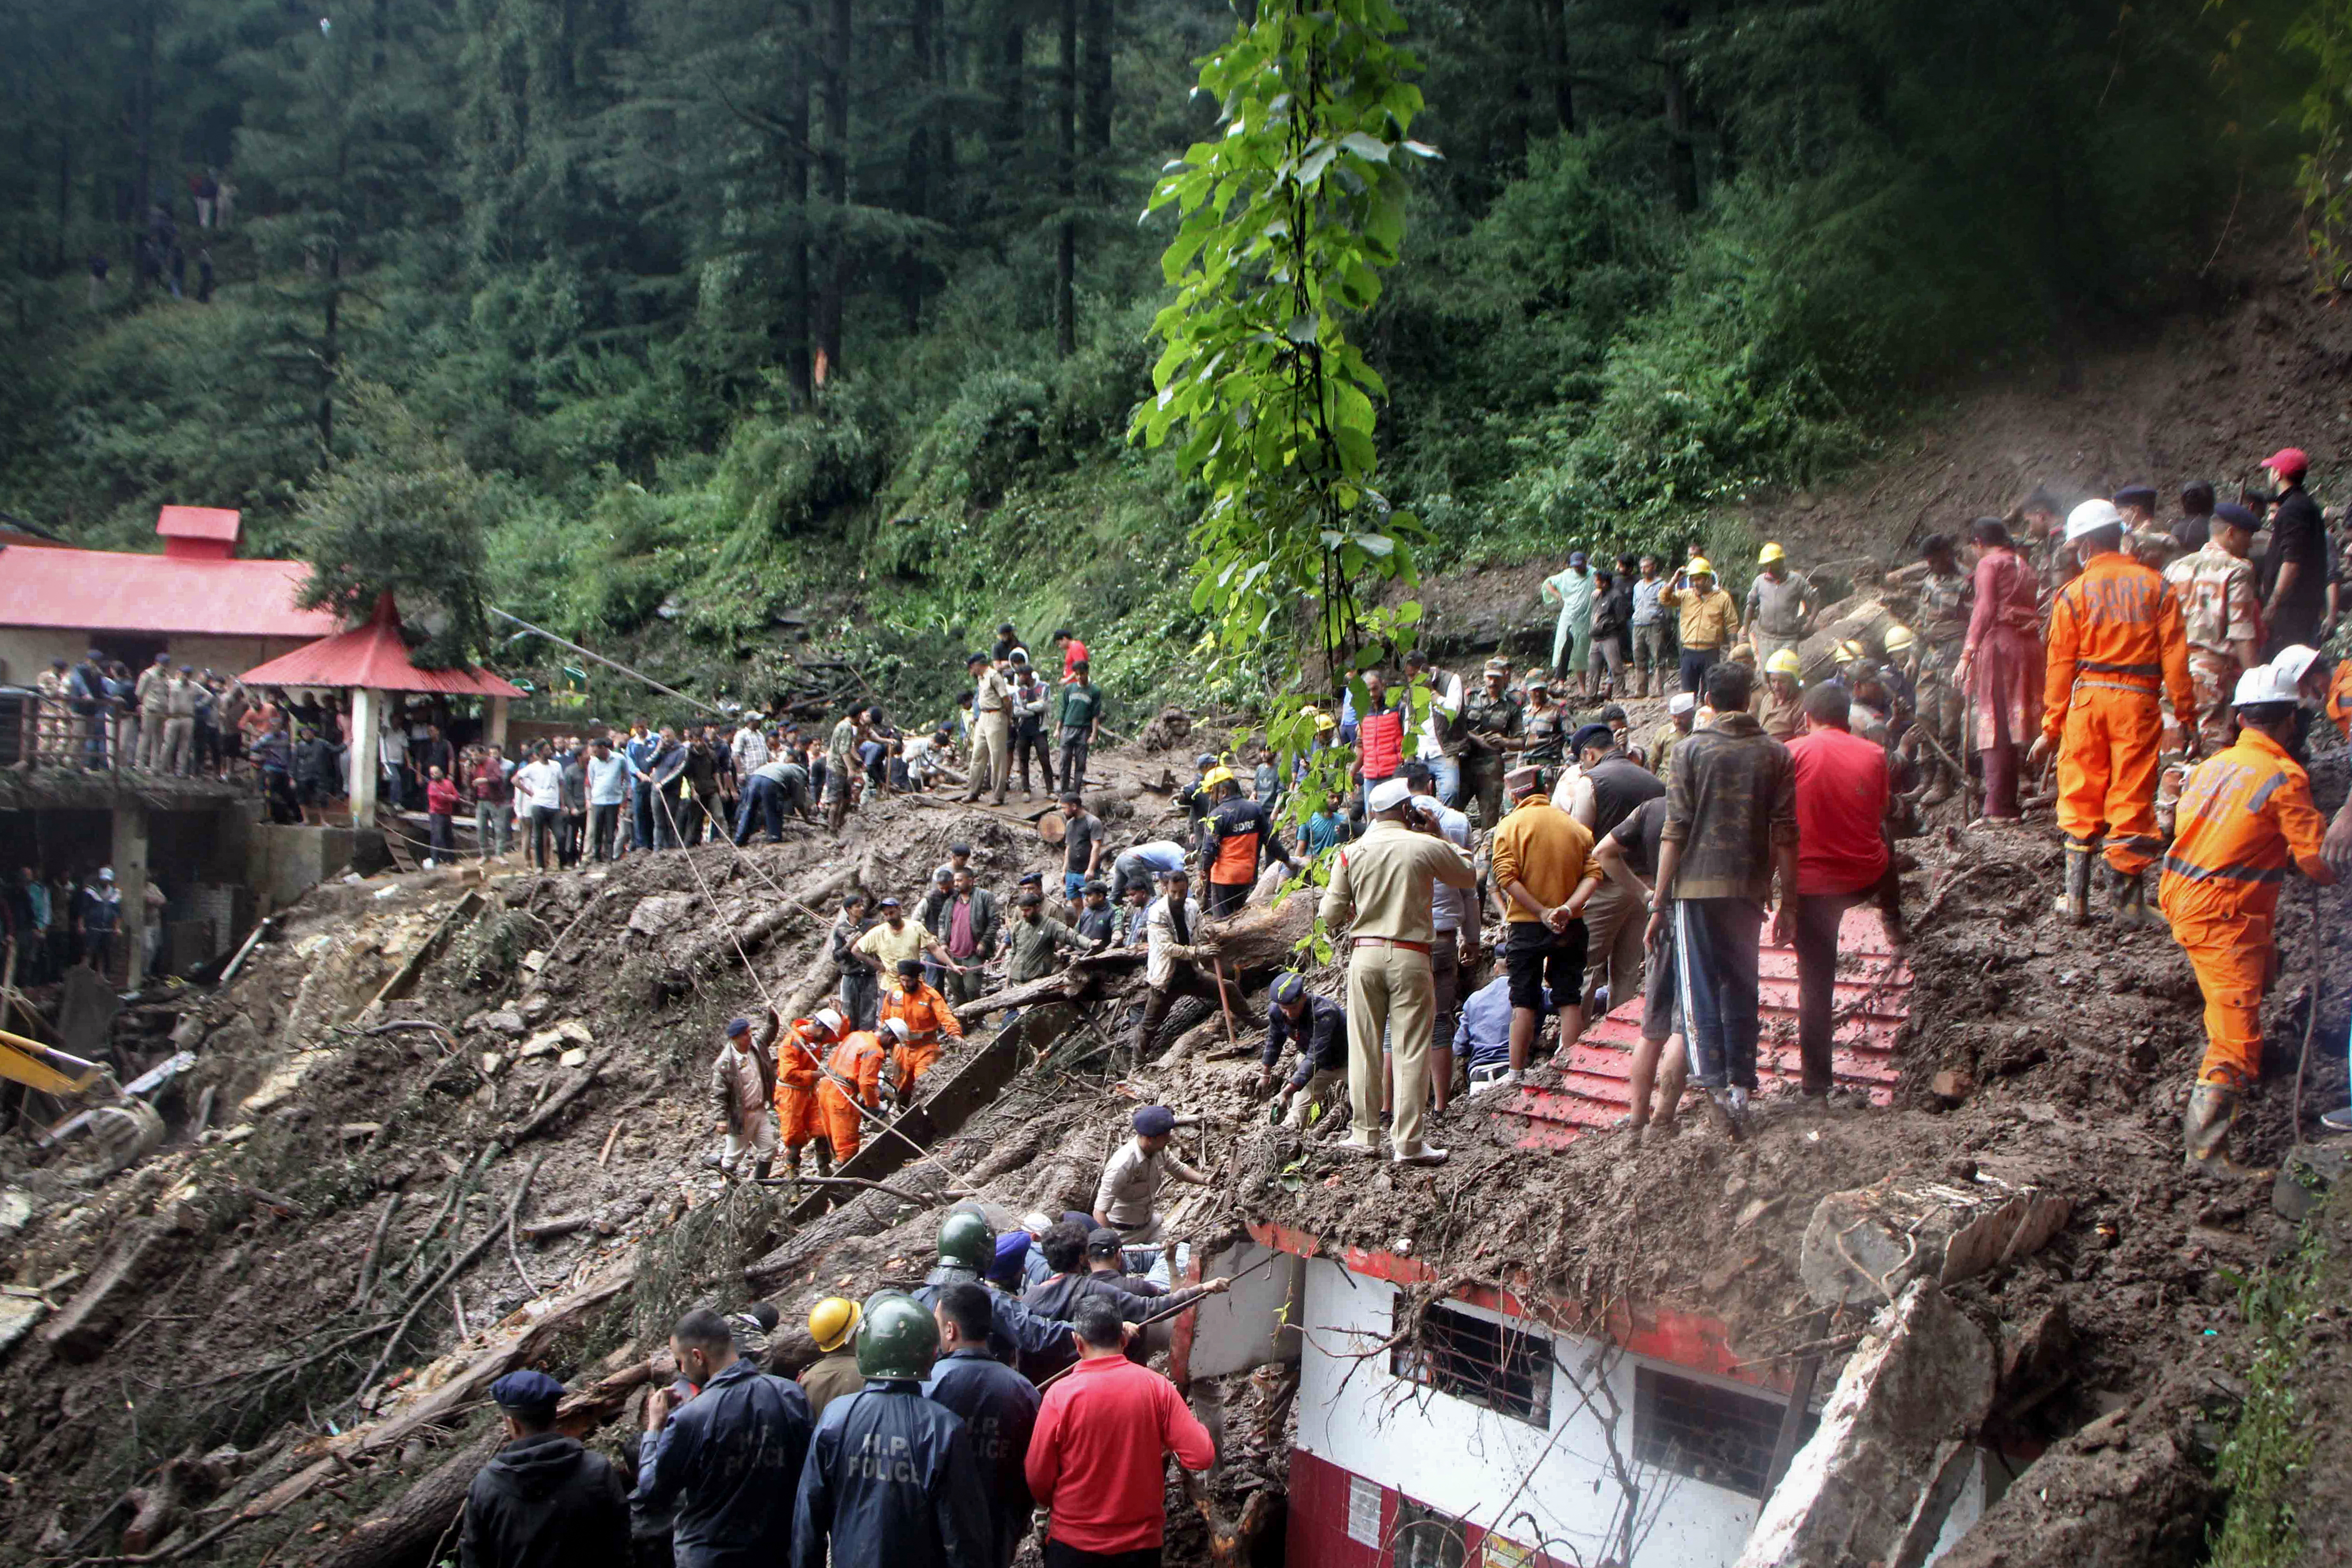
965,1239
897,1339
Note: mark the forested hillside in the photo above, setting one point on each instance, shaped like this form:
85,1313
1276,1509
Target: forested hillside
662,318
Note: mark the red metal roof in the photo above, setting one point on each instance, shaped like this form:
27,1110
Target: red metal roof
115,591
215,523
1874,998
374,656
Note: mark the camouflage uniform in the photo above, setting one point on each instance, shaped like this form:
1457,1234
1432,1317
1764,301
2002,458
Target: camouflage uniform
2218,608
1942,630
1483,713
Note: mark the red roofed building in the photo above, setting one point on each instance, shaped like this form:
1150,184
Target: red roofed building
195,601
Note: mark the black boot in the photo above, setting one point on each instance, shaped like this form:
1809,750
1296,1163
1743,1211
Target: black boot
2074,903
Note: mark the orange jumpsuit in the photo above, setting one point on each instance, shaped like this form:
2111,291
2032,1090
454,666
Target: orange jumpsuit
2244,818
2339,697
858,1063
2115,639
796,1079
929,1019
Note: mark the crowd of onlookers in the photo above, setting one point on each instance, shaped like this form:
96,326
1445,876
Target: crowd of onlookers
56,920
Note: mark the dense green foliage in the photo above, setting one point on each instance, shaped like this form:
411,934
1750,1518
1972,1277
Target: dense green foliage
821,309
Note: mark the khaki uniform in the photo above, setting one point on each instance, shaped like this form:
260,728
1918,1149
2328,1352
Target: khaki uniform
2219,608
1943,631
1381,888
991,734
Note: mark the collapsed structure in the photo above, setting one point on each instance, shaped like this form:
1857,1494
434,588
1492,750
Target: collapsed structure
438,1126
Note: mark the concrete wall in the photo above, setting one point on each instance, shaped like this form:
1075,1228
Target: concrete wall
25,651
284,862
1248,1326
1467,1461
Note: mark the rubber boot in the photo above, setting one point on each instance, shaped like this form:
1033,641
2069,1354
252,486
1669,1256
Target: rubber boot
2205,1129
2074,903
824,1159
760,1168
2128,896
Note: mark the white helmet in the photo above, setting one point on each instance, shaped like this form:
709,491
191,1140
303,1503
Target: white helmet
828,1020
896,1028
2294,662
2089,517
2263,683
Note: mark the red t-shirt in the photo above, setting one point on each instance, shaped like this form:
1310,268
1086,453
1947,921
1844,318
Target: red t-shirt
1095,1457
1841,792
1071,652
440,797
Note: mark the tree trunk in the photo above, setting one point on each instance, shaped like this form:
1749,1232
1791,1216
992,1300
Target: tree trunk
1097,46
1013,87
410,1525
917,203
798,177
1065,148
143,132
835,277
1553,16
1682,156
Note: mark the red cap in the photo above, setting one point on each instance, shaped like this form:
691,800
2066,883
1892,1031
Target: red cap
2288,460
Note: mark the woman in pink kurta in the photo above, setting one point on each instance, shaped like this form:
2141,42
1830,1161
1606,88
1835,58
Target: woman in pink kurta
2000,665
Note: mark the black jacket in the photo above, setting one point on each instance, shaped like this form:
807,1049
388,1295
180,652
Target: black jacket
1013,1330
1321,1038
999,1407
726,1463
891,1481
544,1502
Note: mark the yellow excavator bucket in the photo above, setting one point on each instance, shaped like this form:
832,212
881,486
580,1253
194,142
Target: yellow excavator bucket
44,1067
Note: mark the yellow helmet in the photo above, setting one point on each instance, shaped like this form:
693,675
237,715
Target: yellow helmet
1849,650
1769,554
1698,567
1215,776
1325,724
1785,662
1900,639
833,1321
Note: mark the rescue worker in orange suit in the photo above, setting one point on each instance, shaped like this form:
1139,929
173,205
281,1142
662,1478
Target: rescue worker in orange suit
2245,818
2116,642
797,1076
854,1069
926,1019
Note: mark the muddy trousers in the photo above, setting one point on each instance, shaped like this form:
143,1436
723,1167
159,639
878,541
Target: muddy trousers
1391,990
1184,980
1074,759
1031,743
1714,947
1615,921
2232,956
2107,771
844,1130
796,1115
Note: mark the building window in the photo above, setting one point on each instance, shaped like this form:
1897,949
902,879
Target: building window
1426,1538
1480,1361
1709,1433
1364,1511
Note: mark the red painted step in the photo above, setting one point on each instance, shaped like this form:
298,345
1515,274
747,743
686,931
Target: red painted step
1873,998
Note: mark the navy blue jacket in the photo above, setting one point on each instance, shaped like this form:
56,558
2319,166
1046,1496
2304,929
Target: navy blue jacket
891,1479
1321,1038
726,1463
999,1407
1013,1330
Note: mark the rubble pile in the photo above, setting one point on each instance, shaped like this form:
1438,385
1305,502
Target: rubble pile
439,1126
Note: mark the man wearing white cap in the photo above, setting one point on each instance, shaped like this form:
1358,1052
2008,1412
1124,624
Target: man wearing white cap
1682,713
2116,648
1381,888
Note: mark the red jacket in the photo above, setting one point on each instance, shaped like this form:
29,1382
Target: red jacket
1095,1457
441,797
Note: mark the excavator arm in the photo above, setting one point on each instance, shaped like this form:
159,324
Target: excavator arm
44,1067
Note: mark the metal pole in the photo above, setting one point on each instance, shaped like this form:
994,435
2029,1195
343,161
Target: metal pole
609,664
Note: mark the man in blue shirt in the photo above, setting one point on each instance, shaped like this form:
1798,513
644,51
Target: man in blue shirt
999,1407
608,790
727,1460
1483,1038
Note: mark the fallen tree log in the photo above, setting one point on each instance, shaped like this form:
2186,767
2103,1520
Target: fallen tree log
755,933
1063,986
1262,940
559,1102
415,1521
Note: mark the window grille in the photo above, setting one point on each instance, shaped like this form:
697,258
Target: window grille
1709,1433
1480,1361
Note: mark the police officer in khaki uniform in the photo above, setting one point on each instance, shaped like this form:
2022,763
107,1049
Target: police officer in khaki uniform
1381,888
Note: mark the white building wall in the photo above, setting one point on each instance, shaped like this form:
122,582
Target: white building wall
1468,1461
